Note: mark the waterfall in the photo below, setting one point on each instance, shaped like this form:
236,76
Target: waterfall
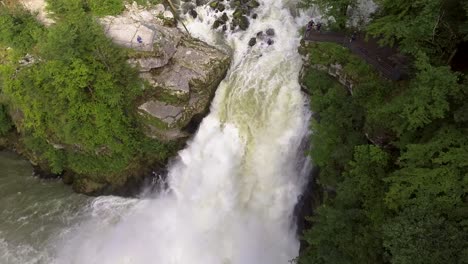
232,191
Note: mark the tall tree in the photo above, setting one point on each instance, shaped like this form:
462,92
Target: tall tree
429,26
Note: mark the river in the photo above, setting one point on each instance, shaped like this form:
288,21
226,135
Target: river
231,192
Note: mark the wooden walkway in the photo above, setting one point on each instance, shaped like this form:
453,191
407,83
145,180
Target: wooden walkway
388,61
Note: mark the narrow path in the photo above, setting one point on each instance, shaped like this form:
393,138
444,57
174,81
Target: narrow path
388,61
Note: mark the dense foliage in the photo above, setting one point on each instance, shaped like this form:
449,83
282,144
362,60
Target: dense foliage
97,7
5,122
393,156
19,29
75,95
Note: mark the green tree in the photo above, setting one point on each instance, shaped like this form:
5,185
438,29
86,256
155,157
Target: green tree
337,132
427,98
434,170
19,29
348,230
429,26
420,234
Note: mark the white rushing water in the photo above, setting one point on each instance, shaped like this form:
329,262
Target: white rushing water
232,191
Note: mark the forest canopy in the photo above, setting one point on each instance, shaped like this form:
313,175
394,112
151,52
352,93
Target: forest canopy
393,156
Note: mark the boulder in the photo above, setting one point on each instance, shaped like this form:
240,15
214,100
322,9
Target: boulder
224,17
201,2
168,14
221,7
193,13
260,35
237,13
159,9
270,32
253,4
235,3
218,23
252,42
244,23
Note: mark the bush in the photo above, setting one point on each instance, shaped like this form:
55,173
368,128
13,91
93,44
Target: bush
338,129
80,96
106,7
68,8
19,29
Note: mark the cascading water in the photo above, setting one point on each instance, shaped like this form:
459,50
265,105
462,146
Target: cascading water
232,191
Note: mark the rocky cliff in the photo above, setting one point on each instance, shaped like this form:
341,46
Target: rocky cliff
182,73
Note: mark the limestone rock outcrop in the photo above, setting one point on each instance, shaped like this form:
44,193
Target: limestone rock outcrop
38,7
182,73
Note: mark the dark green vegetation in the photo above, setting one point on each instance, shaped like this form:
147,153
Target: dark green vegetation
393,156
5,122
73,107
96,7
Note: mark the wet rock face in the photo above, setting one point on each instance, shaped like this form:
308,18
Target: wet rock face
270,32
252,42
193,13
183,73
263,38
243,11
188,83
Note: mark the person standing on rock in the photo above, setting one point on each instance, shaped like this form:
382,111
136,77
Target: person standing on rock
139,39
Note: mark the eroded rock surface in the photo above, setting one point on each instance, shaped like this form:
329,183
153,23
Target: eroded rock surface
38,7
182,72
